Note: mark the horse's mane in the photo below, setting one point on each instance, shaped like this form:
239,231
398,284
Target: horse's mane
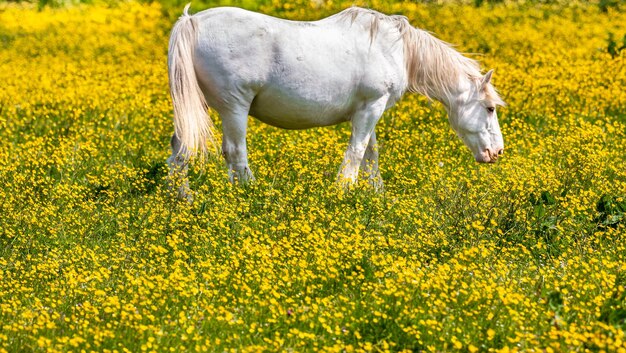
433,66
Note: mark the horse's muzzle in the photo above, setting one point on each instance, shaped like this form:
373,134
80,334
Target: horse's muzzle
489,156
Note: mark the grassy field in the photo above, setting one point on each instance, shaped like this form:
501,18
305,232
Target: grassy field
526,255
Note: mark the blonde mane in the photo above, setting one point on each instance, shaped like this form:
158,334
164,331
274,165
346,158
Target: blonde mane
432,65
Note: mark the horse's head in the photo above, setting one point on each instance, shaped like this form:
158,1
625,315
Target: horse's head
472,114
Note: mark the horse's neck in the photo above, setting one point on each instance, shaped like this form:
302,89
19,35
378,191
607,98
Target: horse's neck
436,91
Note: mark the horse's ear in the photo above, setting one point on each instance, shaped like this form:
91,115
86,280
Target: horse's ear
486,79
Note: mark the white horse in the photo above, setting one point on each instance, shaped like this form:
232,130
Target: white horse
351,66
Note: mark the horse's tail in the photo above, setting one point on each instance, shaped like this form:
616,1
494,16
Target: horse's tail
192,123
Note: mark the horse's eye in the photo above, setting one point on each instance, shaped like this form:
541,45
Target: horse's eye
491,109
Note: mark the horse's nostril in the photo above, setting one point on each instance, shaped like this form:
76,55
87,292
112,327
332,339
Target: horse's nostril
500,152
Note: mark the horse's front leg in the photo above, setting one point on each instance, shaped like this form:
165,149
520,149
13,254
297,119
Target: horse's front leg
234,125
369,163
363,123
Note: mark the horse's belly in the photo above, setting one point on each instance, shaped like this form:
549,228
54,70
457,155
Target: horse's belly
289,112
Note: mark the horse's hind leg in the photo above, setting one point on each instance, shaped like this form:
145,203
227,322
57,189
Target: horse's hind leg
234,125
369,163
178,164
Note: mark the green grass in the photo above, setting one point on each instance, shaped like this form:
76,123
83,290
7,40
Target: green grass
97,253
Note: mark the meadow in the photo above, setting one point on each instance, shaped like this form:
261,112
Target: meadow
526,255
